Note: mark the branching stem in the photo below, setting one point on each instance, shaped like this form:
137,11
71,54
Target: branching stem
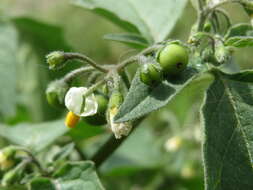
84,58
110,146
73,74
33,159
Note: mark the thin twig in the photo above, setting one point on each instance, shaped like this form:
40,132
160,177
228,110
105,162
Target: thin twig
33,159
136,57
70,76
84,58
111,146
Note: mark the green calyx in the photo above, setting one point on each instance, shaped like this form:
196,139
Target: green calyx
116,99
55,59
173,58
99,118
55,93
150,74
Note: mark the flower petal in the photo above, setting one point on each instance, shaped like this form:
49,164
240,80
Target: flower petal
74,101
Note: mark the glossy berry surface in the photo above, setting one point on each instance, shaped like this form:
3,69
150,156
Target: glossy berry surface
173,59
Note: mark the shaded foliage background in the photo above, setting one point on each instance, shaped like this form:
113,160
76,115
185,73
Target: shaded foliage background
146,160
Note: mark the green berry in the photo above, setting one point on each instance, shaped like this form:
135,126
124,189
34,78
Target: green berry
99,118
55,93
173,59
150,74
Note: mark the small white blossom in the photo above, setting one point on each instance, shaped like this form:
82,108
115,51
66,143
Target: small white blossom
173,144
119,129
80,105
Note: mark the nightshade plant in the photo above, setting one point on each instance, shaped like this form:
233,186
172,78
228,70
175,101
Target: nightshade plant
165,68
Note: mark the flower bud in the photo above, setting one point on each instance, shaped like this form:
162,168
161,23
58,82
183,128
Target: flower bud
119,129
116,99
71,120
80,105
7,158
55,93
55,59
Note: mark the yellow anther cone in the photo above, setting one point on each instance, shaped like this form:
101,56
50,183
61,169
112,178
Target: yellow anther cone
71,120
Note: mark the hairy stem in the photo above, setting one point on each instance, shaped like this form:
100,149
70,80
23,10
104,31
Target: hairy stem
136,57
33,159
110,146
201,16
84,58
73,74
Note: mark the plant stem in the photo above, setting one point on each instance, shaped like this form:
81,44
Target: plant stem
84,58
94,87
110,146
80,152
125,78
201,16
136,57
70,76
33,159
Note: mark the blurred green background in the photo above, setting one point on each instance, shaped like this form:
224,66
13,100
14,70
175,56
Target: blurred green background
165,151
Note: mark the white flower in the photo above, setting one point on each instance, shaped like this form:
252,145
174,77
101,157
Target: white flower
119,129
173,144
80,105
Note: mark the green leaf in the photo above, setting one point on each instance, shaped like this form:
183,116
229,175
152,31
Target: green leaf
37,40
243,76
239,30
42,183
145,152
8,60
78,176
34,136
182,103
240,35
84,131
240,41
133,40
42,36
142,99
64,152
228,144
153,19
